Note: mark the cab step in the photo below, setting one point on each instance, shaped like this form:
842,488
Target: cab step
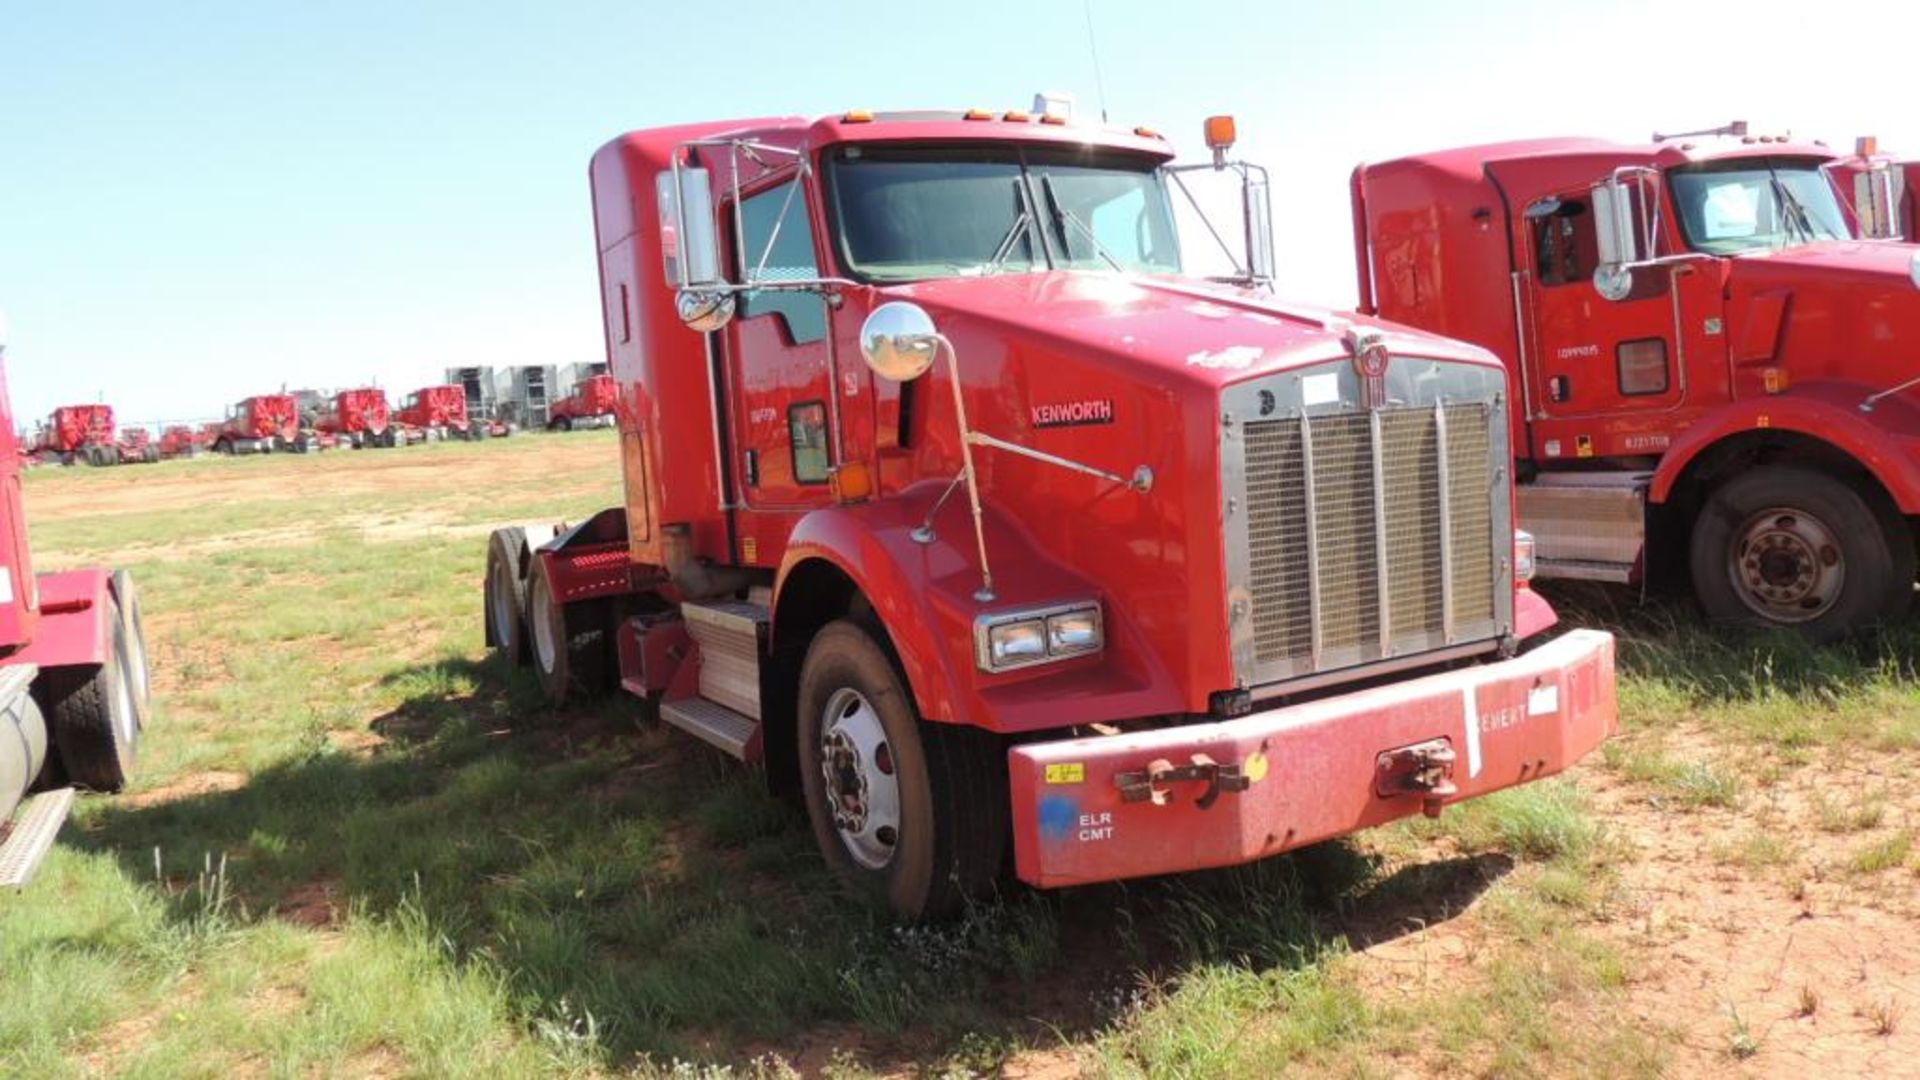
36,822
712,723
732,638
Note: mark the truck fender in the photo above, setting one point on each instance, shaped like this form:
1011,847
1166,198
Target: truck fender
890,570
1830,414
74,630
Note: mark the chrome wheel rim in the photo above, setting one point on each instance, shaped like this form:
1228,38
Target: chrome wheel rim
862,786
1787,565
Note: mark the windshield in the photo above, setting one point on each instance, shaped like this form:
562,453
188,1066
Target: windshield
910,213
1756,206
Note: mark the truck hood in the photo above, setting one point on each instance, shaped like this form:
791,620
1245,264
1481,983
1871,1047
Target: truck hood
1858,261
1176,328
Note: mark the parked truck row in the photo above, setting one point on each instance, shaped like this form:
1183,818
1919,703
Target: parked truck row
308,420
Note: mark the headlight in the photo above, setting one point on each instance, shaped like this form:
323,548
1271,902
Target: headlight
1015,639
1522,556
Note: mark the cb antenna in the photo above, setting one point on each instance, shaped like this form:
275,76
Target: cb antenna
1093,49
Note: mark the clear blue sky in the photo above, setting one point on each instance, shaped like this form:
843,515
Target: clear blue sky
199,201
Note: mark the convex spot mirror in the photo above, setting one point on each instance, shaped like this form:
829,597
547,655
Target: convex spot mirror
898,341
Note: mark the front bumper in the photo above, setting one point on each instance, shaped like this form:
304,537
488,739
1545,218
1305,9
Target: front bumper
1221,793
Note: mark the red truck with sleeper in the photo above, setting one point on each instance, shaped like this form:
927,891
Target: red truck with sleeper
1714,373
73,680
358,417
440,412
78,433
589,404
260,425
957,506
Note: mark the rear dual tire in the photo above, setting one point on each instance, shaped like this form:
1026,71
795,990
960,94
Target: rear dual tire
93,715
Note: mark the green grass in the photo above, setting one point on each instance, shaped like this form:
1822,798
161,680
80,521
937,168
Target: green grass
496,888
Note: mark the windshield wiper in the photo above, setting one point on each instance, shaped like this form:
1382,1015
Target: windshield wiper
1020,227
1791,211
1063,216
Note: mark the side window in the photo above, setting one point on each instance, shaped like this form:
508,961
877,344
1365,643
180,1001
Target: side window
807,429
1565,245
791,259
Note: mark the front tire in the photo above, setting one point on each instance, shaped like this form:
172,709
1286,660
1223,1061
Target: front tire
1795,548
910,813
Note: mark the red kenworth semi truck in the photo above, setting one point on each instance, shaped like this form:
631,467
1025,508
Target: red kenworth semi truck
1715,376
261,424
589,404
78,433
357,417
73,679
953,503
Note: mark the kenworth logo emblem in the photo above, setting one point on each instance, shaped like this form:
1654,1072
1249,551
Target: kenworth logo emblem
1073,413
1369,349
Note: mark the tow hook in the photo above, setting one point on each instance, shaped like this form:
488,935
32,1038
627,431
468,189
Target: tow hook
1424,769
1151,783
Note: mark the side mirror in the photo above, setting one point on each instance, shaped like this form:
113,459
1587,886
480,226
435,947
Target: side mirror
1259,218
690,248
898,341
1617,224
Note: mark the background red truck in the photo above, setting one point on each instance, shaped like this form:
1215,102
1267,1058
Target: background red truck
73,680
358,417
955,504
260,425
1881,191
589,404
440,412
78,433
182,440
1711,371
135,445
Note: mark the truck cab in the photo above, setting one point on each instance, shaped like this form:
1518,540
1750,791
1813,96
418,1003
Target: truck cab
440,412
956,504
589,404
359,416
1712,365
260,425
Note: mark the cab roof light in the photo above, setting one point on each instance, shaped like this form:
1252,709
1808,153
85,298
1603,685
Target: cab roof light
1867,145
1052,118
1016,116
857,116
1146,132
979,114
1220,136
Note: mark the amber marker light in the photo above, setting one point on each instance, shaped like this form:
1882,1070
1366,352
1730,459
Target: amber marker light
852,482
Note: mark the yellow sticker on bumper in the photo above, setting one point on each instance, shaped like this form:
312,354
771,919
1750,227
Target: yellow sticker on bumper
1067,772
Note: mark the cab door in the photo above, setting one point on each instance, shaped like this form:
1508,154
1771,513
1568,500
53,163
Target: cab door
781,408
1605,376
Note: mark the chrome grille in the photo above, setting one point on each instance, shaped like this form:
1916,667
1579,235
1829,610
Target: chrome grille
1370,535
